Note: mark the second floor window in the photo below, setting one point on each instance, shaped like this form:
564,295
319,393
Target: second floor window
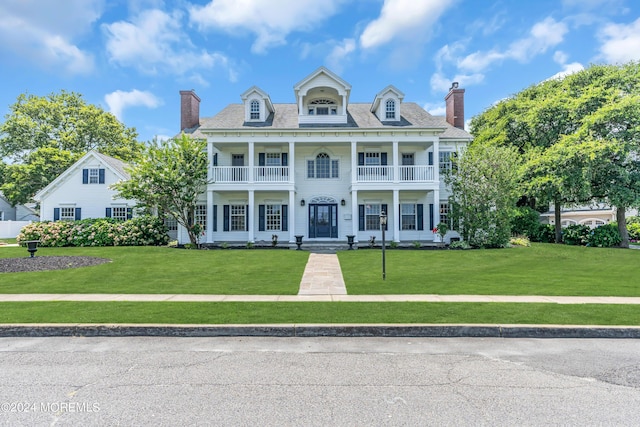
323,167
390,113
445,161
255,110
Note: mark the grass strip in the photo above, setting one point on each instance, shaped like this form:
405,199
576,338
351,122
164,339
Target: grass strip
317,312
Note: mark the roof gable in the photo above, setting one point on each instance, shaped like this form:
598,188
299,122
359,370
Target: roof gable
260,93
397,93
309,82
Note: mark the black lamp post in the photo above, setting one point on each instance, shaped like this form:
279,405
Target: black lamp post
383,225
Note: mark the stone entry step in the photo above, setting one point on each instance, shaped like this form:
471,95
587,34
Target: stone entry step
322,276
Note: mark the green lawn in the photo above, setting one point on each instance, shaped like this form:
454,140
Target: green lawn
7,240
542,269
160,270
316,312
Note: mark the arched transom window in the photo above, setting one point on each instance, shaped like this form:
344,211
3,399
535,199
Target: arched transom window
255,110
322,107
390,109
323,167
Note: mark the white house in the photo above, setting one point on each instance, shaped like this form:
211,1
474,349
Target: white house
82,191
324,167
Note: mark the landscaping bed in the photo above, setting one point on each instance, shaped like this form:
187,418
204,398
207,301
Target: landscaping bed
44,263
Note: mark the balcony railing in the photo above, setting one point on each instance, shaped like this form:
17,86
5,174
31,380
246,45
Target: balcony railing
240,174
375,173
385,173
417,173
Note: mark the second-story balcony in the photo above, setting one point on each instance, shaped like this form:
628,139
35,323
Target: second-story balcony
240,174
386,174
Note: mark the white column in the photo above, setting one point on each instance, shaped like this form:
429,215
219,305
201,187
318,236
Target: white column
251,161
252,223
436,207
344,105
396,162
209,217
436,160
292,162
396,215
354,162
354,214
292,216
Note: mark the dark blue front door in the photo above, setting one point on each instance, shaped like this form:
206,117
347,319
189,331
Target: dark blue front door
323,220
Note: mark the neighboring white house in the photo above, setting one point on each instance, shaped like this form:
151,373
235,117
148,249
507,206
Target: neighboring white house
324,167
590,215
82,191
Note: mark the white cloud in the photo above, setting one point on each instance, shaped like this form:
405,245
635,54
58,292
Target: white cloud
338,56
441,83
119,100
270,23
44,32
154,41
403,19
561,58
620,42
439,109
543,35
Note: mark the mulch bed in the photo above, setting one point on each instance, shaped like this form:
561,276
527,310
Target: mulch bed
43,263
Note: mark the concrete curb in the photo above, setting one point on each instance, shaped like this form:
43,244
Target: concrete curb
324,330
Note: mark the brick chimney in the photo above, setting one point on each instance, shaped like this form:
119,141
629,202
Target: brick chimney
189,109
455,106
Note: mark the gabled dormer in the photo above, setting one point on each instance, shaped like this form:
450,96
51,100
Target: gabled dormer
257,105
386,105
322,98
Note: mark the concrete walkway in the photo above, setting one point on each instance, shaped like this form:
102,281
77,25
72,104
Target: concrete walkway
322,276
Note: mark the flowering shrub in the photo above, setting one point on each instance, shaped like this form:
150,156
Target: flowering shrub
139,231
605,236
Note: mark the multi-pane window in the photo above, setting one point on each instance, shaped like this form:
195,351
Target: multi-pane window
372,159
67,214
238,218
255,110
94,176
273,159
273,217
408,216
119,213
201,216
445,161
323,167
372,217
171,223
390,109
322,107
446,217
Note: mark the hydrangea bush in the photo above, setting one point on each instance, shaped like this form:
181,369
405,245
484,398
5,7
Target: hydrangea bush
139,231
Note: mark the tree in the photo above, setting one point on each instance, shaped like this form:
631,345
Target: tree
170,176
484,193
42,136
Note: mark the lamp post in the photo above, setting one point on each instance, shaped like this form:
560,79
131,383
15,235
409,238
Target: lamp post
383,225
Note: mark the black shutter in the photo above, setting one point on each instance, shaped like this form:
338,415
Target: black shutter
215,159
100,176
107,213
383,159
225,218
129,213
285,218
78,216
400,217
385,208
261,160
361,217
430,158
246,218
85,176
285,159
56,214
420,208
261,218
215,217
431,225
360,159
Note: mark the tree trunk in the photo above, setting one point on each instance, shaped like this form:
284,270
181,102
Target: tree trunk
622,226
558,219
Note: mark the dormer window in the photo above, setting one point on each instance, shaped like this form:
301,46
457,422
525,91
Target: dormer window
255,110
322,107
390,112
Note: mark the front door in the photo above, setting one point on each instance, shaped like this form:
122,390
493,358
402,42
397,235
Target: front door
323,220
238,173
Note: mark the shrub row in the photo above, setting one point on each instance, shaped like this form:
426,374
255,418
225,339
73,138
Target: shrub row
139,231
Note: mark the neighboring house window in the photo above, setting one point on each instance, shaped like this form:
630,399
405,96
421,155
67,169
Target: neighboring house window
255,110
238,218
409,219
119,213
201,216
323,167
1,216
67,214
93,176
390,109
171,223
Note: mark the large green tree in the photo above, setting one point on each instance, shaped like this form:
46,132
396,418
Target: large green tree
42,135
170,176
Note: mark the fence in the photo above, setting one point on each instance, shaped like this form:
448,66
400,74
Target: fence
10,229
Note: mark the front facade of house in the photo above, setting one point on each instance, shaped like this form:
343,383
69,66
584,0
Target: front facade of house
325,168
82,191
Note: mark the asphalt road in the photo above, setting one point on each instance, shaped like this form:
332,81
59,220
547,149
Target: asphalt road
318,381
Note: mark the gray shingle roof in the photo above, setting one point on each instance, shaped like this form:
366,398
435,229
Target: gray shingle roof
359,116
116,164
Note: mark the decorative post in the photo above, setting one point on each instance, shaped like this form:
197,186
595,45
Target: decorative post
383,225
350,238
32,247
299,241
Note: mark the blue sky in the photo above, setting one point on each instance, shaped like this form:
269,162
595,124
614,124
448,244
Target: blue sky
133,57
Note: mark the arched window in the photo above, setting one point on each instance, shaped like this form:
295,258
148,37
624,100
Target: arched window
390,109
322,107
322,167
255,110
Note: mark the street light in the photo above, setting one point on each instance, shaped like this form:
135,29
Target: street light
383,225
